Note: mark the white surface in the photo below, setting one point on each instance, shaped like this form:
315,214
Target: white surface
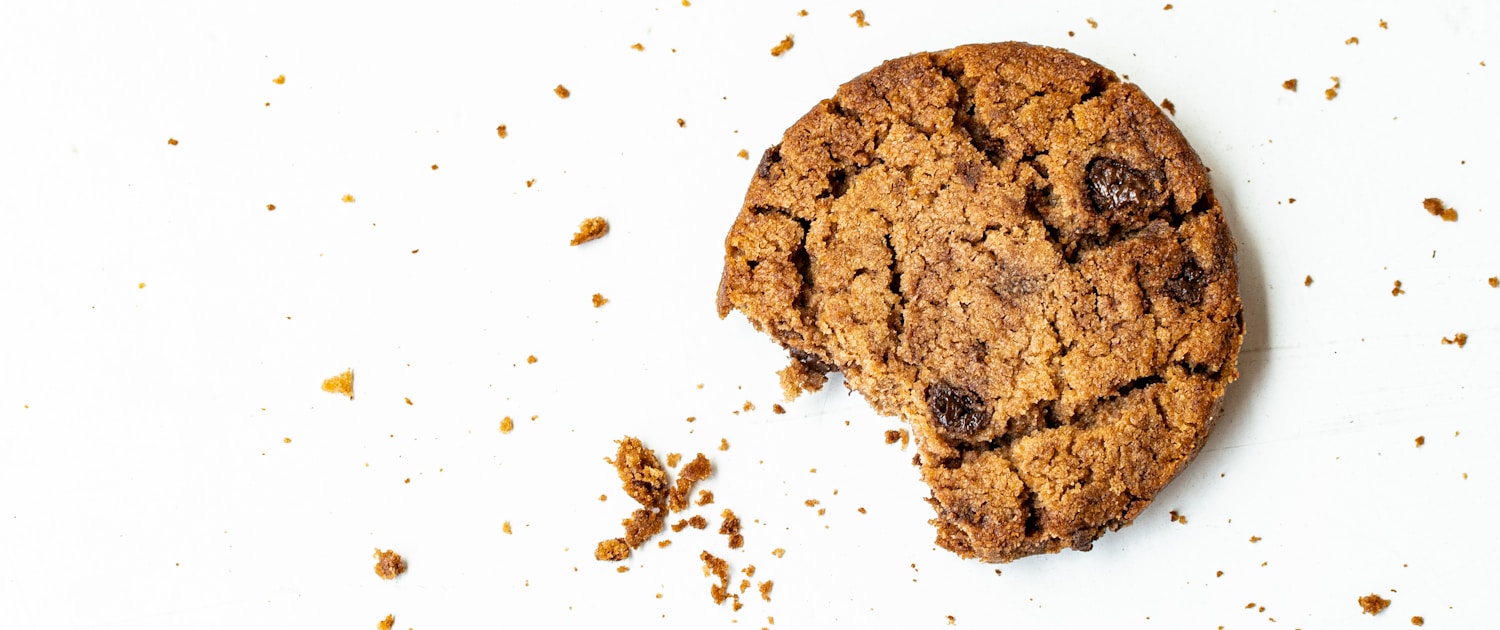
144,481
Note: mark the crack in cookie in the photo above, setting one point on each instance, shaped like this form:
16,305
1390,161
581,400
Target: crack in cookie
1018,254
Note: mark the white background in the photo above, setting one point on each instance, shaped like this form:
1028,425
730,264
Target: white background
145,482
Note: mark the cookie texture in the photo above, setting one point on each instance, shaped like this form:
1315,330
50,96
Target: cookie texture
1018,254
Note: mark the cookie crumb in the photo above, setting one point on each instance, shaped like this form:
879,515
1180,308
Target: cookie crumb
802,13
530,182
705,497
341,384
612,550
1168,7
387,623
859,18
1396,289
1332,92
1289,84
1494,281
622,569
1421,440
765,591
505,527
590,229
1166,104
171,142
506,424
892,436
1384,25
681,123
1255,539
785,45
1435,207
951,619
530,359
1218,574
693,472
637,46
720,569
1307,282
1458,339
561,91
1178,518
1373,604
388,564
698,522
723,444
1415,620
270,207
731,528
600,300
1092,24
778,409
778,552
1351,41
749,406
279,80
743,154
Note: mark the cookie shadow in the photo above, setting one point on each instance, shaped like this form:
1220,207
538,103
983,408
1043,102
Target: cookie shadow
1254,348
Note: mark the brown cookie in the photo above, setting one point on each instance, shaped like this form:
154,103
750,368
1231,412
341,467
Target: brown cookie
1021,256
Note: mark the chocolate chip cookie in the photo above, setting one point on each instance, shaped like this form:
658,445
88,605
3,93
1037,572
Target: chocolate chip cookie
1021,256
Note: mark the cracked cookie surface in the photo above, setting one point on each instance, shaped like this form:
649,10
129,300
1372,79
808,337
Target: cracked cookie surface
1020,255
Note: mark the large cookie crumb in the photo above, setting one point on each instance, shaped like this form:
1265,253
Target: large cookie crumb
342,384
388,564
1373,604
590,229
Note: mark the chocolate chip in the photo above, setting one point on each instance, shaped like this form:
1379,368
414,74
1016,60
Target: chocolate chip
771,156
1187,286
958,412
1115,187
812,362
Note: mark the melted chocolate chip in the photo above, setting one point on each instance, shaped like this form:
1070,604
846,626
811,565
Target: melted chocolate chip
1114,187
771,156
1187,286
958,412
812,362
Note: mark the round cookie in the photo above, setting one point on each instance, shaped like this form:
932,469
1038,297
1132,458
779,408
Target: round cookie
1021,256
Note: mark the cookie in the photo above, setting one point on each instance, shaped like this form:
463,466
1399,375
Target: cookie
1018,254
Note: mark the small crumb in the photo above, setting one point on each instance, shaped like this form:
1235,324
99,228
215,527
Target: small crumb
561,91
692,418
1178,518
720,569
1494,281
347,199
1092,23
1416,620
408,401
862,511
279,80
341,384
172,142
507,425
434,167
1421,440
270,207
1255,539
1070,33
749,571
388,564
1435,207
612,550
811,503
778,552
698,522
286,440
681,122
1250,606
1168,7
664,544
590,229
673,459
1291,200
408,480
530,359
859,18
1373,604
705,497
723,444
637,46
1396,289
1307,282
749,406
892,436
1289,84
1167,105
951,619
778,409
530,182
731,528
1458,339
802,13
622,569
141,285
785,45
743,154
1332,92
1351,41
603,498
505,527
387,623
501,131
1386,26
765,590
687,3
1218,574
